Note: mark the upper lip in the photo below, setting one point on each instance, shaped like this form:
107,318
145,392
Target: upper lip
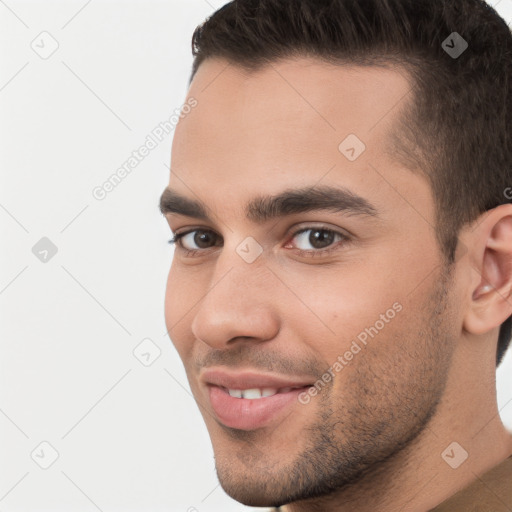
249,380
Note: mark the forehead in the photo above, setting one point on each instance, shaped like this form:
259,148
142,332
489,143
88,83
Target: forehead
289,123
298,98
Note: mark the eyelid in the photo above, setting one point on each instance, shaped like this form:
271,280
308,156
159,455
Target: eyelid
306,226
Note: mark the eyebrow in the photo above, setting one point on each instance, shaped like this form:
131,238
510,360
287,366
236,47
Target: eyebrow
264,208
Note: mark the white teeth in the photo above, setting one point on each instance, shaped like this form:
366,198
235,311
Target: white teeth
255,393
252,394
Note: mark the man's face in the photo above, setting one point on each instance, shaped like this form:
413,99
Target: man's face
351,298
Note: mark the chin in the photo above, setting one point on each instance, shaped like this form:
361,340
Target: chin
255,494
246,476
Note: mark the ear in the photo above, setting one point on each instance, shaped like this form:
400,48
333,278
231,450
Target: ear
491,257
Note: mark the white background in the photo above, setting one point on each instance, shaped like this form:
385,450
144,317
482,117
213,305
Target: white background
129,436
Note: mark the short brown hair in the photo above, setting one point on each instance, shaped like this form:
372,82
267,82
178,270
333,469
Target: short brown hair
457,128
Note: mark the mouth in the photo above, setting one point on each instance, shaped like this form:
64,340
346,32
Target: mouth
248,400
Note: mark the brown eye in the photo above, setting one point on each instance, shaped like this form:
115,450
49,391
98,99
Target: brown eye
197,239
316,238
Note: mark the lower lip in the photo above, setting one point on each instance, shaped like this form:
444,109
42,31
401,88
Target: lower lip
246,414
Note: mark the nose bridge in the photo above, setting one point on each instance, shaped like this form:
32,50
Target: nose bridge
239,302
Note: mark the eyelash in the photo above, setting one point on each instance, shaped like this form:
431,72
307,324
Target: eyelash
175,240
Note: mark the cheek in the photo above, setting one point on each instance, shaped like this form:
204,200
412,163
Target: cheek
365,315
344,305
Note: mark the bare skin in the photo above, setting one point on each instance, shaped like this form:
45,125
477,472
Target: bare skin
372,438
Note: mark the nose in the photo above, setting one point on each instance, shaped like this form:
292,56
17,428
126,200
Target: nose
240,306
